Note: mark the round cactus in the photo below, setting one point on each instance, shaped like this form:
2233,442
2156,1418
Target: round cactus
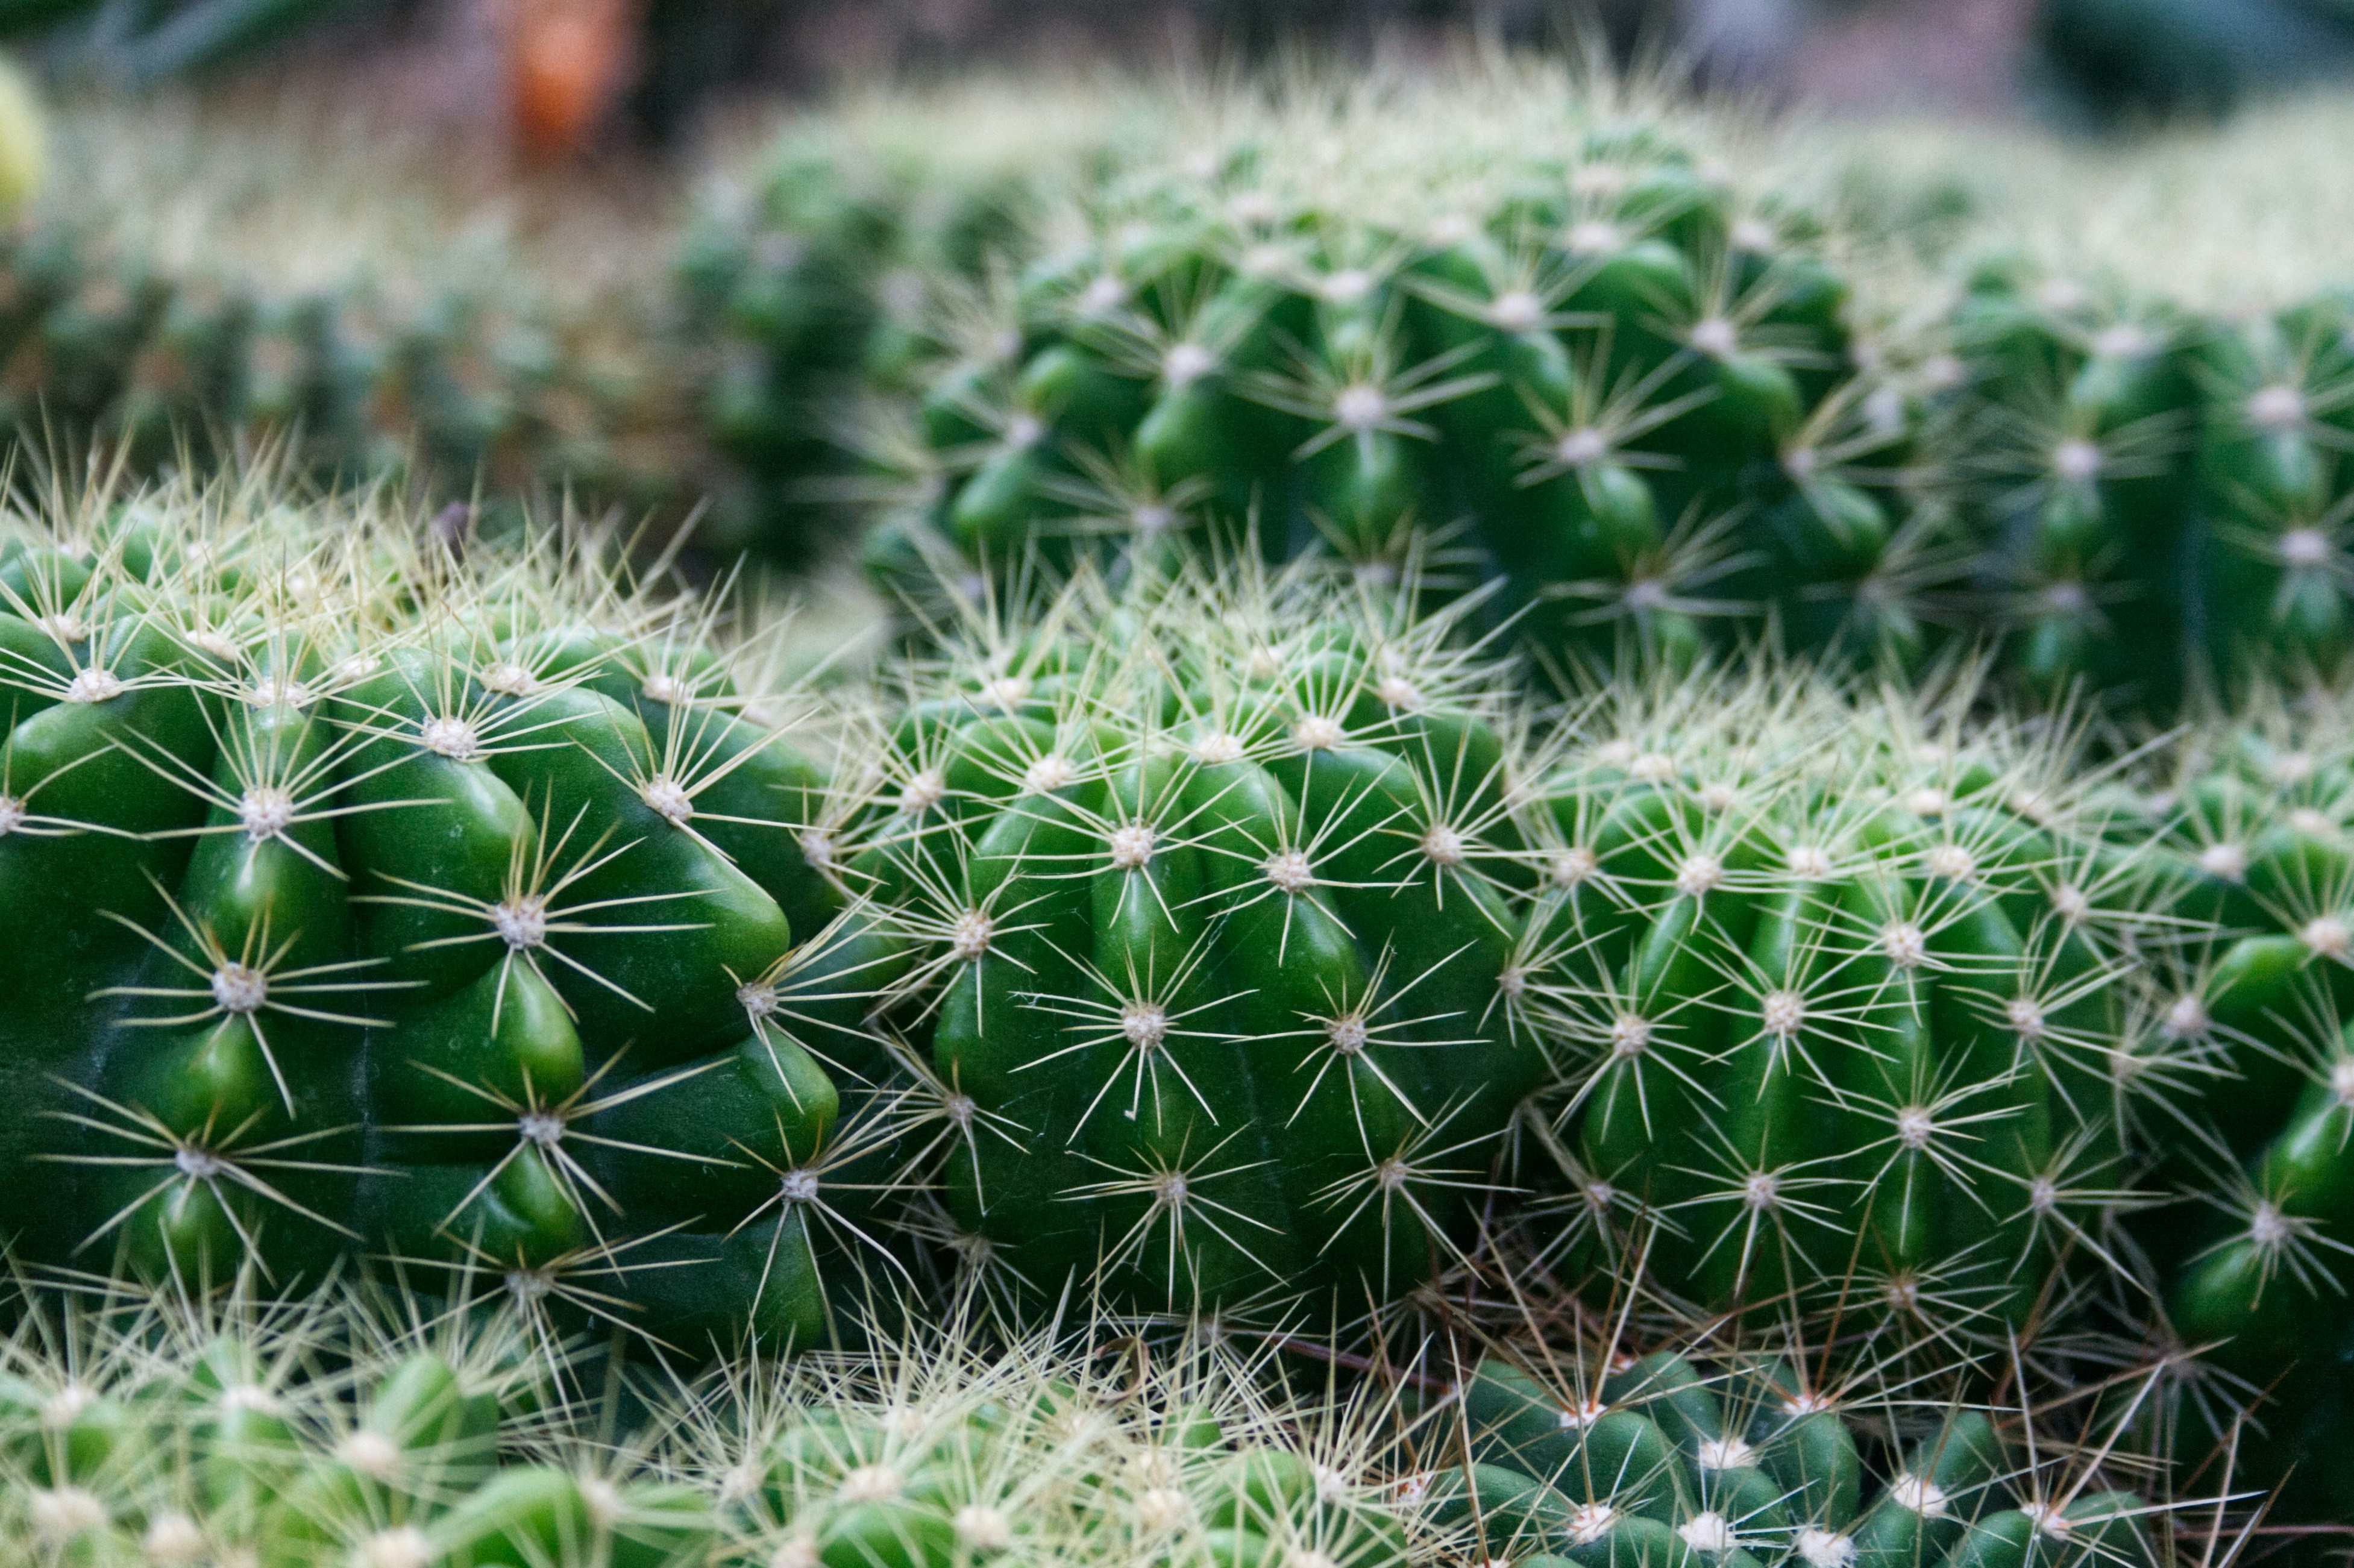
1837,988
2149,478
2253,1002
1214,891
936,1452
1664,1461
822,276
156,1430
1581,361
409,903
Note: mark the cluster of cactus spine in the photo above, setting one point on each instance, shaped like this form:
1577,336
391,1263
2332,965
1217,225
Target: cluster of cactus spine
373,1429
160,1432
428,906
1585,363
936,1453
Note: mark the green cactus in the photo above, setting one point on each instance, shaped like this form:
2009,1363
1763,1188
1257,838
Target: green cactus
1213,890
1664,1461
823,277
1585,363
938,1452
138,1429
2152,479
1836,985
2251,999
409,903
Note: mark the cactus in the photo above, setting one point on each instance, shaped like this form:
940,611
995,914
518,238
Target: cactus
1836,984
820,275
1666,1459
140,1429
413,904
1211,886
157,310
2252,1000
2149,477
1579,358
937,1452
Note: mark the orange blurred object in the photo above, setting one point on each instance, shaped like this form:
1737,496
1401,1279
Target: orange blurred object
568,62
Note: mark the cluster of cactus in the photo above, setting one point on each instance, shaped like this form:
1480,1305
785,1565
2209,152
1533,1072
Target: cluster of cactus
1662,1460
143,321
820,279
439,907
1587,363
2147,479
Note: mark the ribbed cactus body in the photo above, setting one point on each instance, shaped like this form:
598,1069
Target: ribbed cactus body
398,905
1661,1463
1838,993
1591,368
1217,894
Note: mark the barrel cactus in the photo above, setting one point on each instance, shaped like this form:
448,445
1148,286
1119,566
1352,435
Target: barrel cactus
2149,477
1577,356
426,905
1836,983
1212,887
2254,836
1664,1460
940,1451
162,1430
822,272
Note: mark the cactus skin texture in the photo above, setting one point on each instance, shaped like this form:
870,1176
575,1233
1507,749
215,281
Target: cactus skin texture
2149,478
1837,988
1214,888
401,903
1657,1464
2261,874
1587,365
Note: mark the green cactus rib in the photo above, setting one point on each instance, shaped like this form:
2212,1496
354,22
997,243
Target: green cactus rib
1592,367
2144,477
1838,992
1659,1462
1213,889
406,904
